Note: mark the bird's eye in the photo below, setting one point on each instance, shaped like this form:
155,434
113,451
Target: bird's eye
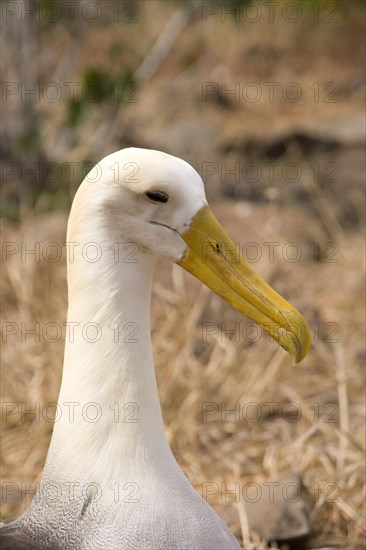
157,196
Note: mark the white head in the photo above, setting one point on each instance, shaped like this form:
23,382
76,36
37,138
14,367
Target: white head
147,197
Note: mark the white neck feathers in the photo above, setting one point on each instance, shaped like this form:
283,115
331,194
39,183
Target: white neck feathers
111,420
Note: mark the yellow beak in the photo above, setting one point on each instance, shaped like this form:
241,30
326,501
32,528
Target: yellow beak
214,259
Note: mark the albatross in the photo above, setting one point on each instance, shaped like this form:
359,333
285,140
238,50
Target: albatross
110,480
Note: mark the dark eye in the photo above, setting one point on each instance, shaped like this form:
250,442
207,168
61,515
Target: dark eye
157,196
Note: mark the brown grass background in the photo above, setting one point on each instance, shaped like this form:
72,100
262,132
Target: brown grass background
327,450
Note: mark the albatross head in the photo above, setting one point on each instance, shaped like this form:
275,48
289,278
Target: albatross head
157,202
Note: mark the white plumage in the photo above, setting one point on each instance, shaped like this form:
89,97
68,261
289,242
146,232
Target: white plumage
110,480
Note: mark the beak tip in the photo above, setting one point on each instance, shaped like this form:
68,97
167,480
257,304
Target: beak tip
301,340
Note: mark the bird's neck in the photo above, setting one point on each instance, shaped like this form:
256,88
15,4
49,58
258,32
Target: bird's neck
109,420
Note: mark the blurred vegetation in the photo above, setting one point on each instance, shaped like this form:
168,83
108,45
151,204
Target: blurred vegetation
76,89
99,62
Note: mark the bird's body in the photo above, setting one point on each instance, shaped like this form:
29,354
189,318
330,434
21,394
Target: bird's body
110,480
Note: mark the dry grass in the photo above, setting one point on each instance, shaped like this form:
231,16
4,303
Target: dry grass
323,443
